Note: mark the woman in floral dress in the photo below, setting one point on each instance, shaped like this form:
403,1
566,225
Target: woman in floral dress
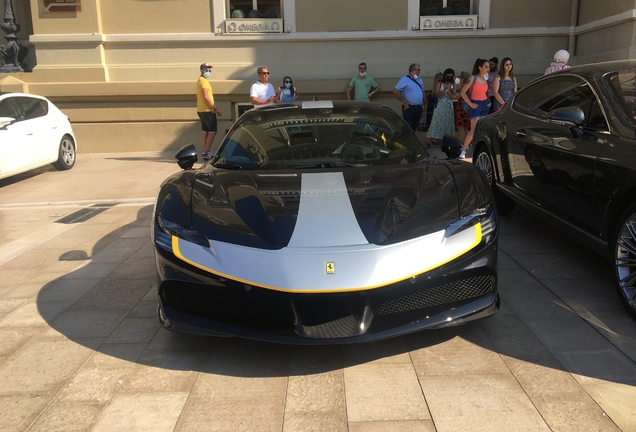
504,85
443,121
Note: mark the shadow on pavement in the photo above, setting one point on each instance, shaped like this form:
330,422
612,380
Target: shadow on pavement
568,327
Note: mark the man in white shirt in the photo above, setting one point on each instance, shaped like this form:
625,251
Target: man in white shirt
262,92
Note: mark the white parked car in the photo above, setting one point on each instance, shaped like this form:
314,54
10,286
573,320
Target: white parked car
33,133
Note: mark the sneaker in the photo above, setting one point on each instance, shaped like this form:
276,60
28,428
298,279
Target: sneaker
206,155
462,155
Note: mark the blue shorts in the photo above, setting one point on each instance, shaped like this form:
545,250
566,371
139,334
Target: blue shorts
482,109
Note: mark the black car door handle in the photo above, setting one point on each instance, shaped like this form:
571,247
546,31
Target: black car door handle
520,134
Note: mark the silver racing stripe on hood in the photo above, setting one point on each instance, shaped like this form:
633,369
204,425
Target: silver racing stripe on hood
325,216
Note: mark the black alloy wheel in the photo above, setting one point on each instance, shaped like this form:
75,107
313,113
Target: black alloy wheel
483,161
624,254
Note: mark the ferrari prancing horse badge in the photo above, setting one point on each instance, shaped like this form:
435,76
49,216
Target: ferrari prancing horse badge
330,267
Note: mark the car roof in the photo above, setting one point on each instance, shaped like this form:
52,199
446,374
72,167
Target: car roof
598,69
21,94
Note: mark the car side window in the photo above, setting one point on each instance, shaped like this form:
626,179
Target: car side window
560,92
32,107
8,108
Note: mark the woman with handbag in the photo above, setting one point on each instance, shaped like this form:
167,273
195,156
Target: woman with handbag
478,101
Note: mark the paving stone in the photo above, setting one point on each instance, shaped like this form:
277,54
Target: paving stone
41,366
17,412
392,426
134,331
221,416
163,371
480,403
91,323
67,417
385,391
142,412
315,421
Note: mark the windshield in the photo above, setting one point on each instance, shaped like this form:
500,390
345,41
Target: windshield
342,135
623,86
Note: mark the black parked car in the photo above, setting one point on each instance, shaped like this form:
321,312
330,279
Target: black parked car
324,222
565,147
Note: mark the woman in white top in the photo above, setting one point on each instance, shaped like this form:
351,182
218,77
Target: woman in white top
287,93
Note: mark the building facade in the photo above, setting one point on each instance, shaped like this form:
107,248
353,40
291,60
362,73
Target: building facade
124,71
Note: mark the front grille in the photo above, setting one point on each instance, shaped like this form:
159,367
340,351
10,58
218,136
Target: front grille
462,289
236,305
328,315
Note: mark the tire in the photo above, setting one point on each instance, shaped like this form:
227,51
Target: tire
623,250
483,161
66,154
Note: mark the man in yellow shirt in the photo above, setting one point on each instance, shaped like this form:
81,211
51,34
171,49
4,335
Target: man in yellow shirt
206,110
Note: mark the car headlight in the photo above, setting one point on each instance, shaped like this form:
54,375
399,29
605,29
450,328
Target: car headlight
486,216
165,230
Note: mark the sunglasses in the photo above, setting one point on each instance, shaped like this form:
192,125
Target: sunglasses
362,68
264,73
449,76
287,82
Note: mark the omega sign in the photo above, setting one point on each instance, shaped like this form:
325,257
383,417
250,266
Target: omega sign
254,25
448,22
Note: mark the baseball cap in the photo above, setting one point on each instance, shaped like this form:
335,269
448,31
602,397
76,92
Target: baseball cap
205,66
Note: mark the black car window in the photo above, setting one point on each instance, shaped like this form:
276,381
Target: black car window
8,108
623,87
271,139
560,92
32,107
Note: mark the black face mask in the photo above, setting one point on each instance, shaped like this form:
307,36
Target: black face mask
449,79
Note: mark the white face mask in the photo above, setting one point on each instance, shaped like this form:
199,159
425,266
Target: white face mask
206,74
415,76
363,73
486,77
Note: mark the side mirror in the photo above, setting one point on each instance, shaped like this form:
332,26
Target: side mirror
186,156
451,146
572,115
6,121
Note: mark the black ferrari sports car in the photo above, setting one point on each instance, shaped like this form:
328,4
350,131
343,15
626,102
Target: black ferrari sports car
564,147
323,222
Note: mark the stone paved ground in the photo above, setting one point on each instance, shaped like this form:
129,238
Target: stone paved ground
81,349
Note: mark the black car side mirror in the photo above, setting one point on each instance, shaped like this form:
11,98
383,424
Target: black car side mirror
451,146
572,115
186,156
